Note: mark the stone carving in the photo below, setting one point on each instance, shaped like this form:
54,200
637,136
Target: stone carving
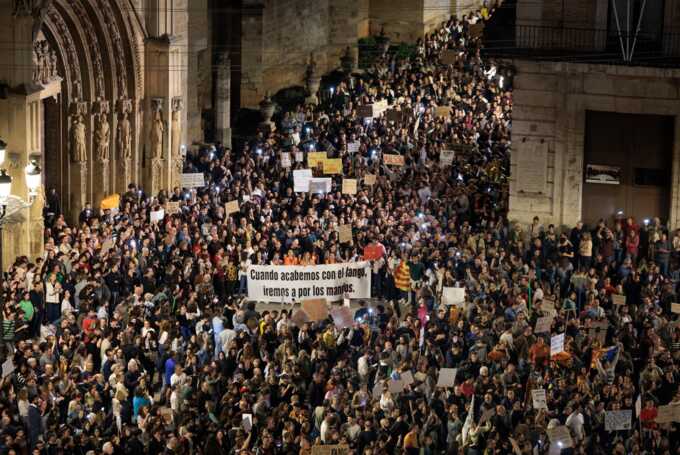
175,129
78,147
44,63
72,69
157,130
101,137
124,141
22,7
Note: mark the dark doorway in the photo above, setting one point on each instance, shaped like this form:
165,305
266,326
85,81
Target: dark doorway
639,149
52,159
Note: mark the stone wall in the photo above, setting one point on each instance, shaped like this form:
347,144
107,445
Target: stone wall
550,101
199,88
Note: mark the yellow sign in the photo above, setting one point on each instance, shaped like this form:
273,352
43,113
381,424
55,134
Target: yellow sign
111,202
349,186
231,207
314,158
369,179
393,160
332,166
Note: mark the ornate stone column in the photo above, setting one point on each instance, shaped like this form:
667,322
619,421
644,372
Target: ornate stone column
155,155
223,101
124,143
78,140
101,136
176,143
312,81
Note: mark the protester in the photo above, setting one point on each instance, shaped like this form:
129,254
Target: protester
132,336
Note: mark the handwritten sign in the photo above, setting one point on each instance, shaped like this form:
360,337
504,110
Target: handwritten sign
314,158
299,157
618,420
543,324
675,307
560,436
618,299
172,207
393,160
301,178
336,449
320,185
668,413
345,233
598,331
7,368
557,344
353,147
539,399
231,207
156,216
446,157
349,186
369,179
442,111
285,160
193,180
447,377
453,296
332,166
449,56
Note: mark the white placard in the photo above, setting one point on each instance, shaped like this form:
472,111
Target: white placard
194,180
447,377
301,178
334,282
618,420
446,157
539,399
560,436
299,157
285,160
247,422
157,216
320,185
557,344
7,368
353,147
453,296
543,324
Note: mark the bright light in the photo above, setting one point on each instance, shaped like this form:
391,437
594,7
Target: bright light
620,213
420,215
33,177
258,151
133,243
646,221
217,189
212,156
5,185
3,150
559,443
460,177
332,90
500,81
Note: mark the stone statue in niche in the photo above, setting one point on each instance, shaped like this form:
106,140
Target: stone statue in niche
101,137
157,130
124,137
78,148
44,63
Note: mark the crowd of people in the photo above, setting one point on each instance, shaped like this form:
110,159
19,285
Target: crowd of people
133,336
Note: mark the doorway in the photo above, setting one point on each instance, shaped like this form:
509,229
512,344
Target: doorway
637,150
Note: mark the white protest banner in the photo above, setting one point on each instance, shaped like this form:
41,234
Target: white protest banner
446,157
538,398
618,420
156,216
285,160
301,178
560,436
334,282
320,185
336,449
557,344
194,180
447,377
453,296
543,324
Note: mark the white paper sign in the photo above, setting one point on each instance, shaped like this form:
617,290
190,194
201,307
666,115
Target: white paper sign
299,157
447,377
247,422
453,296
446,157
353,147
157,216
301,178
285,160
560,436
618,420
194,180
543,324
7,368
539,399
320,185
557,344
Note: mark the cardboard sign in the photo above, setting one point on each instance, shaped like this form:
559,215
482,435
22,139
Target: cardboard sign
538,399
393,160
193,180
342,317
353,147
172,207
453,296
365,111
668,413
345,233
337,449
675,307
618,299
369,179
446,157
285,160
349,186
231,207
560,436
557,344
618,420
299,318
314,158
447,377
301,178
543,324
449,57
442,111
332,166
394,115
156,216
316,309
